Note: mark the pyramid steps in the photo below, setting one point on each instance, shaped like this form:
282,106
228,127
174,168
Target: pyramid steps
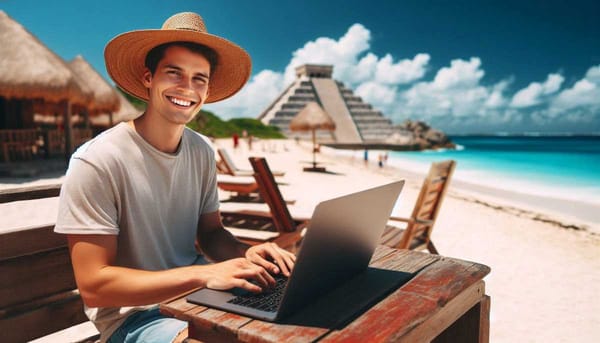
356,121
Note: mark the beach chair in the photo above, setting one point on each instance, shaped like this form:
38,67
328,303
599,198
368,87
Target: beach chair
276,225
227,165
244,187
417,234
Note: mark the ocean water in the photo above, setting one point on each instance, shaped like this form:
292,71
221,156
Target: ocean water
562,167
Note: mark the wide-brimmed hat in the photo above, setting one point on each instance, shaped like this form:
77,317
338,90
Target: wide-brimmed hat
126,53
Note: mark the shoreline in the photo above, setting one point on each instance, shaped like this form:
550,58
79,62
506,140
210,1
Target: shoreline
569,214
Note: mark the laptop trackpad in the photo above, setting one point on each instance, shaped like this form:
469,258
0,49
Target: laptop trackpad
345,303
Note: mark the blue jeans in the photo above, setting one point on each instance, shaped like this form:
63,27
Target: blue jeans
148,326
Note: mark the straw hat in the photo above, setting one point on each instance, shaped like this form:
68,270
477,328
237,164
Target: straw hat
126,53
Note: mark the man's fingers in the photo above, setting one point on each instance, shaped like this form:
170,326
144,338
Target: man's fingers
247,285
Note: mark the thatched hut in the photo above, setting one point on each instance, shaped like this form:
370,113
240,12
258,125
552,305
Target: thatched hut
126,112
104,96
33,79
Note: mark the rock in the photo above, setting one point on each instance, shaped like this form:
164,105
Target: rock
424,136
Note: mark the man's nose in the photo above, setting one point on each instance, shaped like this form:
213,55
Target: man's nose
185,83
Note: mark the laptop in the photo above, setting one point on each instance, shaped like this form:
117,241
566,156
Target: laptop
331,266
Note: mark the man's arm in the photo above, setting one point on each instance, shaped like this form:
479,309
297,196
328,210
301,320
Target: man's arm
219,244
102,284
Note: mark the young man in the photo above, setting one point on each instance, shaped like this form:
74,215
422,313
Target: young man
138,197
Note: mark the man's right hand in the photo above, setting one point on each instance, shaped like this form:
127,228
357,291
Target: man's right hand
237,273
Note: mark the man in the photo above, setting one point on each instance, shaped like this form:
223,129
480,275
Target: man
140,197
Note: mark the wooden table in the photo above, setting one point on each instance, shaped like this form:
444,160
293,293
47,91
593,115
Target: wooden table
444,302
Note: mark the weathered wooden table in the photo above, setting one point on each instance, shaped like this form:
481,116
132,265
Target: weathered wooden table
444,302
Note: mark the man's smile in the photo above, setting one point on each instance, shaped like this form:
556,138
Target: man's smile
180,102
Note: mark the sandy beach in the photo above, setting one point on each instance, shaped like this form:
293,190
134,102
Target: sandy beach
545,277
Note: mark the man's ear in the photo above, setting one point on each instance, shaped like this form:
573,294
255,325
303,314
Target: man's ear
147,78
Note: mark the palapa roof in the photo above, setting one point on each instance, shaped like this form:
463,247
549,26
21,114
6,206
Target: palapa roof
312,117
29,70
104,96
126,112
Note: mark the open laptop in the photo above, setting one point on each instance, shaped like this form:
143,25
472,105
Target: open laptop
332,263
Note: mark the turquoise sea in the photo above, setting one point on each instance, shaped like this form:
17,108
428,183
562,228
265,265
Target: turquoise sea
562,167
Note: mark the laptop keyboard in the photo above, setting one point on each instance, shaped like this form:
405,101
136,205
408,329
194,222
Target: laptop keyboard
266,301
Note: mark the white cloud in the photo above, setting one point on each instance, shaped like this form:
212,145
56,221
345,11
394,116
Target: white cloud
262,89
535,93
455,95
584,93
376,93
404,71
455,90
460,74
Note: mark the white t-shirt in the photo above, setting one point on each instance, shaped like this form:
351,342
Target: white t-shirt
119,184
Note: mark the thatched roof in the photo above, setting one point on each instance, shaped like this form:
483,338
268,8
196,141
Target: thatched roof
104,97
126,112
312,117
29,70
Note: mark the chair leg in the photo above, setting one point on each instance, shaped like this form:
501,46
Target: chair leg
432,248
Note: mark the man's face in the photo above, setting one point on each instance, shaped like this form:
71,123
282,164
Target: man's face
179,86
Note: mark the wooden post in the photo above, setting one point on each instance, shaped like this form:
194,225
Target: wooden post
86,118
68,127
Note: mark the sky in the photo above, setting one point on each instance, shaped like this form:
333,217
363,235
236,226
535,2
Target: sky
462,66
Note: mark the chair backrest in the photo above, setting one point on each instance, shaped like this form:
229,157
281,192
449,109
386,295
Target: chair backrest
227,162
271,194
427,206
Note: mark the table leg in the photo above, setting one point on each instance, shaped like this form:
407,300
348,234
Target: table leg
473,326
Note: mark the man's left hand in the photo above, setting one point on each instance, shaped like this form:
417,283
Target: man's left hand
271,257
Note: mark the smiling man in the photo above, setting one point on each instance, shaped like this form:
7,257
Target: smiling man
139,198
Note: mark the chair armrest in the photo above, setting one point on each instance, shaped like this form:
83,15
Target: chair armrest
412,220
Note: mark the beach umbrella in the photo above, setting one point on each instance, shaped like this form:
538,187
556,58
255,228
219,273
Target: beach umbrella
312,118
104,96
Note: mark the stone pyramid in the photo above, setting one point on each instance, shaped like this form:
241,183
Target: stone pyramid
356,121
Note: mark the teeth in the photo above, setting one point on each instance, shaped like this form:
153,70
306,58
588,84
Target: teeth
180,102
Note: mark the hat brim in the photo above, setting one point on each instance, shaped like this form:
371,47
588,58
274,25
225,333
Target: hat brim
125,55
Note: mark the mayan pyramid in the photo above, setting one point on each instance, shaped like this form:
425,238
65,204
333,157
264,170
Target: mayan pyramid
356,121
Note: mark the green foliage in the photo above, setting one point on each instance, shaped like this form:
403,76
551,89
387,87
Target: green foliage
211,125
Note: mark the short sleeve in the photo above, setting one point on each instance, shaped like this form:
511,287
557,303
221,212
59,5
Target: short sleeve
87,203
211,199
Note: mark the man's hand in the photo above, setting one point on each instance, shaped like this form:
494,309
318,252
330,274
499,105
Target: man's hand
237,273
272,258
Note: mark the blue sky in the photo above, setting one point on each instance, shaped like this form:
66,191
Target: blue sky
463,66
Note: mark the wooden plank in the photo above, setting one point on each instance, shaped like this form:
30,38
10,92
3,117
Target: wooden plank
177,306
29,193
215,323
28,277
28,240
456,321
259,331
415,302
43,321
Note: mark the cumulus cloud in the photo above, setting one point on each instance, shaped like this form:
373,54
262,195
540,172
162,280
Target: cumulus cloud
535,93
584,93
455,97
455,90
262,88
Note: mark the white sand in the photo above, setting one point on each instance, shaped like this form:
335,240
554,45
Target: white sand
545,279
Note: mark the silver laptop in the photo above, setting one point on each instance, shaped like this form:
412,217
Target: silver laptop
332,263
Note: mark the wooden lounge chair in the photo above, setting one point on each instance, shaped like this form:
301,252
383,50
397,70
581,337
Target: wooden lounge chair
276,225
227,165
417,234
243,187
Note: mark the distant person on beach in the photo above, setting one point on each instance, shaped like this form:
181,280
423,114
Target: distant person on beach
236,140
140,199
